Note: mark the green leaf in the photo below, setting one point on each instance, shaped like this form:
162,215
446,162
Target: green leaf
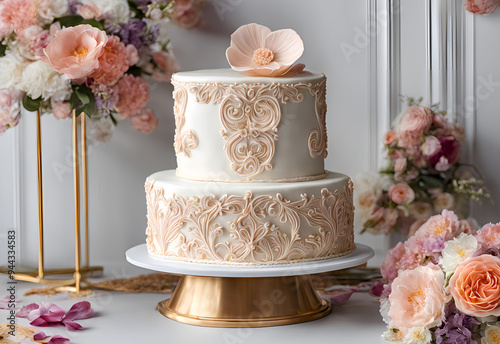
83,93
73,101
77,20
89,108
135,71
431,182
113,119
3,48
31,104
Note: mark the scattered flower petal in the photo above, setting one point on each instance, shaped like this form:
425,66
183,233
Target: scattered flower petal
80,310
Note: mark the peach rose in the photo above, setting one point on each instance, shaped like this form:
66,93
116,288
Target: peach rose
112,63
401,194
89,11
489,236
390,137
445,225
146,121
417,298
481,6
133,94
75,51
187,13
475,286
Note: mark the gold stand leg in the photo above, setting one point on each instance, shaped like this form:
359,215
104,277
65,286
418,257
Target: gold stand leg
40,195
244,302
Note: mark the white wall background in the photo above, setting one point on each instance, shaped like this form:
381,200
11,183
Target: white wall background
334,33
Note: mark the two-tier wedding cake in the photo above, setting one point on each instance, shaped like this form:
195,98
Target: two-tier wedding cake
250,187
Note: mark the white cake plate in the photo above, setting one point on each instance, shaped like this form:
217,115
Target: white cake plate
219,295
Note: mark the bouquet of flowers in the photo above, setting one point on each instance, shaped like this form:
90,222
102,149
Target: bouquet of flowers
87,55
423,175
444,284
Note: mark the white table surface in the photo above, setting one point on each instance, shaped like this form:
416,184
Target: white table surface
132,318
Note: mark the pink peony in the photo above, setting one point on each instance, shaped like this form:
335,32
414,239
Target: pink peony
489,236
417,298
61,110
401,194
133,94
389,220
166,66
390,137
415,121
256,51
475,286
89,11
17,15
445,225
75,51
481,6
146,121
187,13
390,266
10,108
112,63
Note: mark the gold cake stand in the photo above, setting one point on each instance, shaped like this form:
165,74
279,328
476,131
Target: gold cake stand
245,296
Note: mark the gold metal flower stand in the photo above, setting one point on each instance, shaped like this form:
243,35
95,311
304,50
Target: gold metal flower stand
245,296
79,272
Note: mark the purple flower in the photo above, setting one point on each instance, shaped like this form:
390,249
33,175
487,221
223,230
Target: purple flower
457,328
105,97
136,32
450,149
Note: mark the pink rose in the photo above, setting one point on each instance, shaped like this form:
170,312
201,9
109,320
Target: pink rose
146,121
389,220
415,121
187,13
400,165
489,236
75,51
475,286
481,6
401,194
417,298
112,63
89,11
132,55
439,121
390,137
10,108
445,225
61,110
133,94
431,146
166,66
17,15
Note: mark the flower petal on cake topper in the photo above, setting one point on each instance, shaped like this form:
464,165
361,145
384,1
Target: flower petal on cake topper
256,51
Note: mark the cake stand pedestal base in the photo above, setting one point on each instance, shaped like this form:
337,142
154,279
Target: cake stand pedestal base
244,302
224,295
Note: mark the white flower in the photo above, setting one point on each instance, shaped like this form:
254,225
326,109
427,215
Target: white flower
117,10
100,130
47,10
39,79
443,201
420,210
392,336
368,187
385,305
12,66
417,336
456,251
491,334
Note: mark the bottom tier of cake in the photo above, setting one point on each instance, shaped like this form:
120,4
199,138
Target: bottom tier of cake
249,223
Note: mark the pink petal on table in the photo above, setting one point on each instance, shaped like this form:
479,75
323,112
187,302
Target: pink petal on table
47,312
72,326
80,310
57,339
342,297
40,336
376,289
26,310
5,303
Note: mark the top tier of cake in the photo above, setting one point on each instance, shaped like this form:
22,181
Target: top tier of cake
236,128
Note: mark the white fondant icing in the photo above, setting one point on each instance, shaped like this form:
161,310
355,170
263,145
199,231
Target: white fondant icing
292,147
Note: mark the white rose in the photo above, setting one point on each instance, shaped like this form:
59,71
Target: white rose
39,79
491,334
117,10
12,66
420,210
47,10
443,201
456,251
100,130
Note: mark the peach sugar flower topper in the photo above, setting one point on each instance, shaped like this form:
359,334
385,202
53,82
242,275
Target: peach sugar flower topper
256,51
